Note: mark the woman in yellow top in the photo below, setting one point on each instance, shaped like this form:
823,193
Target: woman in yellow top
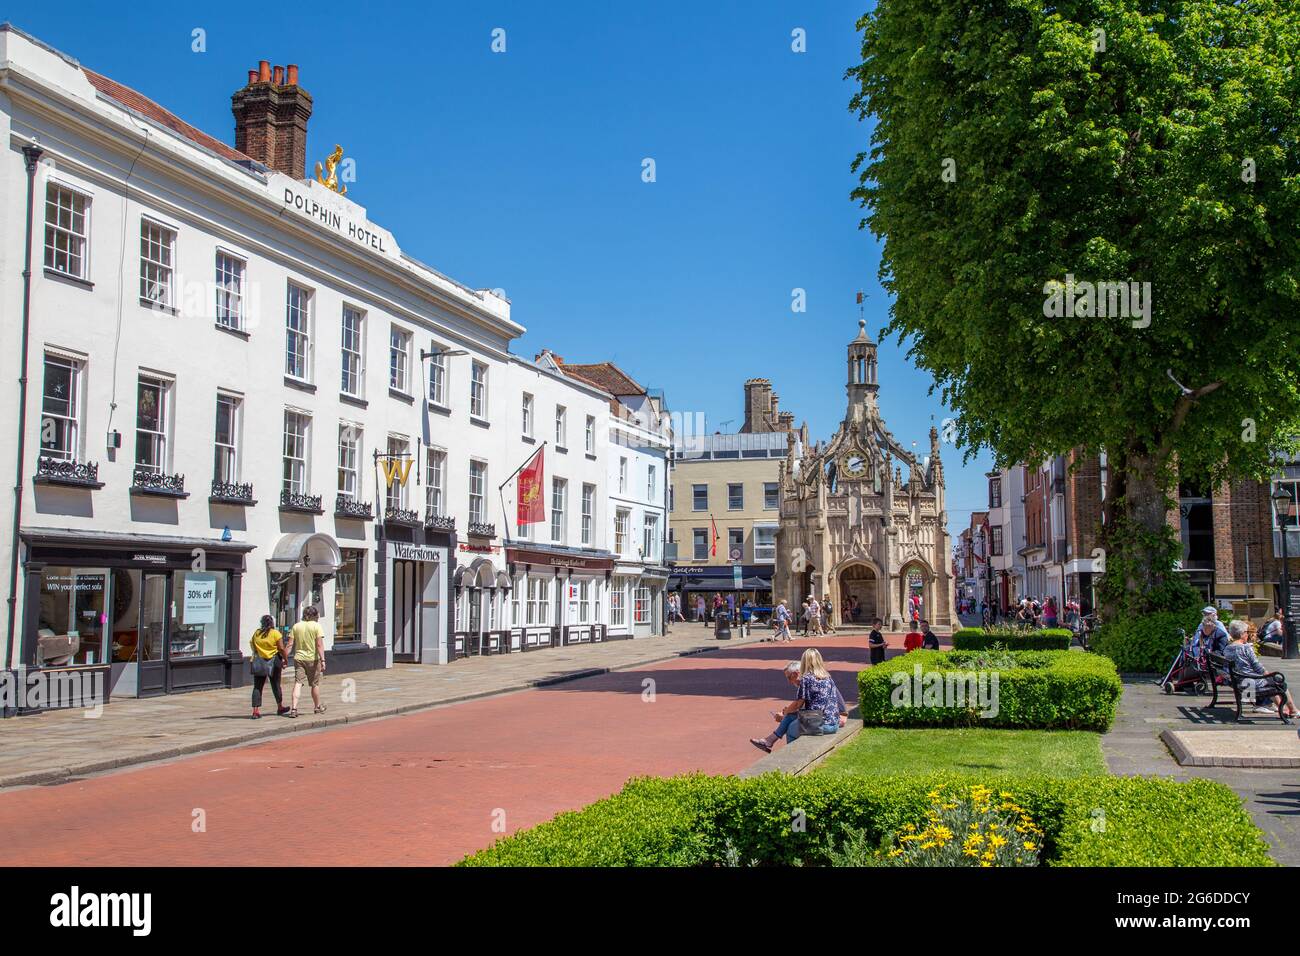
268,656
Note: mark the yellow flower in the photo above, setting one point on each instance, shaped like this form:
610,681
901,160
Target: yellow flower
996,841
1030,846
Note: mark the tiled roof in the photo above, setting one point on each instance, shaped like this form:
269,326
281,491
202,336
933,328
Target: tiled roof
606,376
146,107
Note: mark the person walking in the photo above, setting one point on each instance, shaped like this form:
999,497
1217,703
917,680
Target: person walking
699,610
781,621
814,616
1049,612
267,656
308,658
828,615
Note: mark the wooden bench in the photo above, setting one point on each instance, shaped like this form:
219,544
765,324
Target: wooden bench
1221,665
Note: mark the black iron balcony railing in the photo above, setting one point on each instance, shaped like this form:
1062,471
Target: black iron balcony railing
345,506
146,481
232,493
436,522
67,471
402,516
296,501
482,529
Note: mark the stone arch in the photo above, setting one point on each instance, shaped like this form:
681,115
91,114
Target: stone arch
913,572
860,577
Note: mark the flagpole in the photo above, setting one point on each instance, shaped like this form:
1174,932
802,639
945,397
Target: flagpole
505,516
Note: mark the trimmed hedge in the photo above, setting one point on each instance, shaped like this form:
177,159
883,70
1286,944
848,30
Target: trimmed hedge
1059,690
1147,644
1046,639
701,821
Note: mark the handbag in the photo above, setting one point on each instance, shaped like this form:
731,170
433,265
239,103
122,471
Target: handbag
811,721
262,666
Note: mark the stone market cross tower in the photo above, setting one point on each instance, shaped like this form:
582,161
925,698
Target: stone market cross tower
851,525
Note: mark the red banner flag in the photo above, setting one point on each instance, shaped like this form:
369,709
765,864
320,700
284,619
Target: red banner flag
713,550
532,506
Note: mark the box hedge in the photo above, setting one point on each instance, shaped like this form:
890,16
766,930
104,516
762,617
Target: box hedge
781,820
1046,639
1060,690
1147,644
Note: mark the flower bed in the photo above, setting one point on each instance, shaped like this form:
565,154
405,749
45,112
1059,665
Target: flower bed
1012,638
1033,689
782,820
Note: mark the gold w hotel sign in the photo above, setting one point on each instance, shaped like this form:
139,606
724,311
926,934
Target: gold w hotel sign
395,469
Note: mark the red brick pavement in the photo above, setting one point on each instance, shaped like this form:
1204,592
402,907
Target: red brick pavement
424,788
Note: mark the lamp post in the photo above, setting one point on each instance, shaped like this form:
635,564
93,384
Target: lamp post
1282,498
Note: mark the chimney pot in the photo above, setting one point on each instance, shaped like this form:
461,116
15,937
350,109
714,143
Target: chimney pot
264,71
279,76
291,76
252,77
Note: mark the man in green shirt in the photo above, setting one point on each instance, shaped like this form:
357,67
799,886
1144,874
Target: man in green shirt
308,658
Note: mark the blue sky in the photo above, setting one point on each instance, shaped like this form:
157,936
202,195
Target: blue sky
522,170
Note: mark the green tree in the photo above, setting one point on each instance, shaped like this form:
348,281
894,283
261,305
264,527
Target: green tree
1019,145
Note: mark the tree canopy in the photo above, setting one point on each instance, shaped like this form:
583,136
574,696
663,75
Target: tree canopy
1026,154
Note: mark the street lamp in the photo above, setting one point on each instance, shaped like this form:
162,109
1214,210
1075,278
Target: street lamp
1282,499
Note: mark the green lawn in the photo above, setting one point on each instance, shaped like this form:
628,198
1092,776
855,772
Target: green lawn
977,751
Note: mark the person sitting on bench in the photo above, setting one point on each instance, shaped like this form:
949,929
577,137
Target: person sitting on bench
1240,654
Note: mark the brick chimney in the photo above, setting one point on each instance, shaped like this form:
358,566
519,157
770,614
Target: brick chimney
271,115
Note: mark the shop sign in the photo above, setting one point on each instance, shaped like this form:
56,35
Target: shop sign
480,548
414,552
200,599
150,558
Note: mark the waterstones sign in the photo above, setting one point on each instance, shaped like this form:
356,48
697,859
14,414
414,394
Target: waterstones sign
337,222
414,552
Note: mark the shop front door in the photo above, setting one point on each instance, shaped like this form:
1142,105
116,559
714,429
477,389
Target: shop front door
152,635
407,589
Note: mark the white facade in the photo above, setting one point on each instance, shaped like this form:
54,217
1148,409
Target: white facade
1009,518
638,527
559,566
248,420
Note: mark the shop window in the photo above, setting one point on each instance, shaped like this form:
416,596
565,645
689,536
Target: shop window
617,605
584,602
641,605
198,624
349,586
72,623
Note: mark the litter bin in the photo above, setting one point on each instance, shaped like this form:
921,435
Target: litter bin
722,626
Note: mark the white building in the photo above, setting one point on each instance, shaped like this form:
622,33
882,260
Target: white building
1007,533
635,421
216,351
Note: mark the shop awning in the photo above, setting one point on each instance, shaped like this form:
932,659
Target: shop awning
479,573
306,551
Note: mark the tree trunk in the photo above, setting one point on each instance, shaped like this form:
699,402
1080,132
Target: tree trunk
1141,548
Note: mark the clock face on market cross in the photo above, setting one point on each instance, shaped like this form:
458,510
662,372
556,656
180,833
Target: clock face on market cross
853,466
